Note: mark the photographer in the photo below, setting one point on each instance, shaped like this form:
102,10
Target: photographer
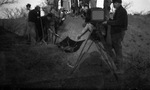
118,28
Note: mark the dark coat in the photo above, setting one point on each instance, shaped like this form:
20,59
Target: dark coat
87,16
119,22
33,16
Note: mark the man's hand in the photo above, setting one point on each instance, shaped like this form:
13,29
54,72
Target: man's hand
78,37
105,22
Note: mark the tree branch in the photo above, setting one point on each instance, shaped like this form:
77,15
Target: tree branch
127,5
3,2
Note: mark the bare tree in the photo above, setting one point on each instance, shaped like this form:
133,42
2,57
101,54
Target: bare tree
3,2
127,5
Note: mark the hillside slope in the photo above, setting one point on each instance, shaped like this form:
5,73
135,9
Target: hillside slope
46,65
17,26
137,36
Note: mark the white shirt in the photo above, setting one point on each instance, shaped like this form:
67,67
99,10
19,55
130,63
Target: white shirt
26,12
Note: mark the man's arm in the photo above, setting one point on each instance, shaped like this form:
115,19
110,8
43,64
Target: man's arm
119,20
89,27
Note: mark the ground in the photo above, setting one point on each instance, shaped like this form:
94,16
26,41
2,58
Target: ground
46,66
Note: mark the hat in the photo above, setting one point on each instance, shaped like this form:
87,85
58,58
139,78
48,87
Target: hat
28,5
37,7
118,1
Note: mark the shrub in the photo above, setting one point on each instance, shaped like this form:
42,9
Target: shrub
11,13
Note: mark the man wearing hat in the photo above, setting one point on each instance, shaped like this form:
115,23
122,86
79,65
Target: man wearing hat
33,23
118,27
25,15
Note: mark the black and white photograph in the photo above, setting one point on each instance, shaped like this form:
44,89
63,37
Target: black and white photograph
75,44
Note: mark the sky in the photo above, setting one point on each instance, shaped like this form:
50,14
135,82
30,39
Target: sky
136,5
139,5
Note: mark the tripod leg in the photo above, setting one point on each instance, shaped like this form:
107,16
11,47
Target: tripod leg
106,56
81,52
52,38
108,61
80,59
43,35
55,36
51,34
109,57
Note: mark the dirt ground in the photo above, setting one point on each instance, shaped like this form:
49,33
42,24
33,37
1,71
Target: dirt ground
46,66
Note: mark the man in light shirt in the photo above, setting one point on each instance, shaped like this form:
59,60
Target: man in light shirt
26,11
25,16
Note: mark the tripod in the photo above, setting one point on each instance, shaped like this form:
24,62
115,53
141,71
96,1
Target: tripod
54,36
103,51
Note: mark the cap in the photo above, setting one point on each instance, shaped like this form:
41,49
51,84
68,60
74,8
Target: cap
37,7
28,5
118,1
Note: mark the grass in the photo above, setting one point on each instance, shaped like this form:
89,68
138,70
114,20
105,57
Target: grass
21,63
24,64
137,71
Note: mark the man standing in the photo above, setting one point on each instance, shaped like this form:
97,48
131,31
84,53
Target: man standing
56,4
118,27
33,18
25,15
106,5
74,6
27,10
93,3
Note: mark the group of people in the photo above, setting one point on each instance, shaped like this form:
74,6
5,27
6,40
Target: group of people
78,9
37,25
116,28
116,33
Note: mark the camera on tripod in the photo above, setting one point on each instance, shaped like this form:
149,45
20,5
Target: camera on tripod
96,19
97,15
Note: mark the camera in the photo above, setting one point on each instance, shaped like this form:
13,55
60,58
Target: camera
97,15
96,19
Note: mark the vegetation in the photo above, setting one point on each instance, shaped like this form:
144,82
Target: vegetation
127,5
20,63
13,13
137,71
3,2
